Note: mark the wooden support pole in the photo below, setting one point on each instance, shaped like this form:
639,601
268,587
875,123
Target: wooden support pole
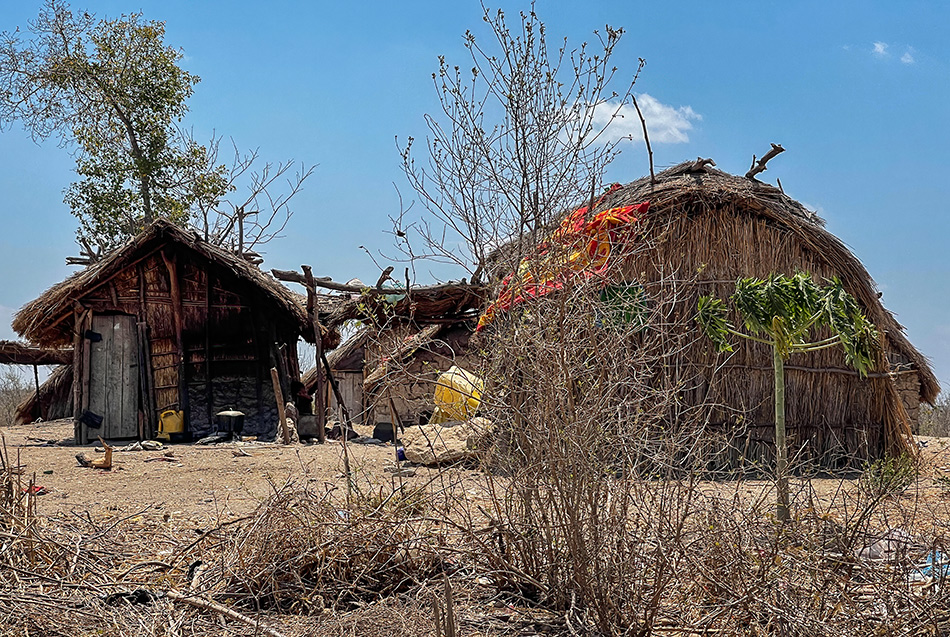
77,375
175,291
209,389
313,314
281,416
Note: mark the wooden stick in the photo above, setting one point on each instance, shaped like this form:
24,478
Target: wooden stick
279,395
207,604
759,166
646,136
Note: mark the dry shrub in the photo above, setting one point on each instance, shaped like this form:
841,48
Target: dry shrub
301,553
935,419
14,389
586,393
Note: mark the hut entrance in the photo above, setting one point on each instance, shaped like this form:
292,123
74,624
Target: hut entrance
113,376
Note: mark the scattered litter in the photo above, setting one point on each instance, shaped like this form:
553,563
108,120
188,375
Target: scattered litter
935,567
214,439
36,489
48,472
143,445
101,463
893,545
400,472
139,596
366,440
168,456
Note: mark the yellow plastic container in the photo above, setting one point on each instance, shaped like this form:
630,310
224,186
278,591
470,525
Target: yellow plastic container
458,394
170,422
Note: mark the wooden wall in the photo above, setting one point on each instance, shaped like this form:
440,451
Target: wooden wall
199,321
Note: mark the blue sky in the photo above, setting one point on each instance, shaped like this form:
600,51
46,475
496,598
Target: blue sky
858,93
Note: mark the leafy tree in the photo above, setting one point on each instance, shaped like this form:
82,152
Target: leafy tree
114,90
782,312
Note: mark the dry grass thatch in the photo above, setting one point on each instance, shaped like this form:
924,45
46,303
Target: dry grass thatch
13,353
45,320
444,303
747,206
705,229
55,398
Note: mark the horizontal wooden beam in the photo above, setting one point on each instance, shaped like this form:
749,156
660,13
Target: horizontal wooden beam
13,353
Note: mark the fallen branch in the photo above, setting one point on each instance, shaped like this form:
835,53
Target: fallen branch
700,165
759,166
207,604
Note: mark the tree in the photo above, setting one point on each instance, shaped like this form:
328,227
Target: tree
518,141
782,312
114,90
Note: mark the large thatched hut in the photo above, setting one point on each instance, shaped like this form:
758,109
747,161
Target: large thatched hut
702,230
170,322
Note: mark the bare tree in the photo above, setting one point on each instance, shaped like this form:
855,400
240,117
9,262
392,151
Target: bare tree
257,208
516,144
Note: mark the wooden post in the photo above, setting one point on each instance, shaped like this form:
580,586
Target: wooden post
313,314
145,384
77,374
36,381
179,333
281,416
209,389
86,371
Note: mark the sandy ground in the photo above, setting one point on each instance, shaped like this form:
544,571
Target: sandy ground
206,485
203,484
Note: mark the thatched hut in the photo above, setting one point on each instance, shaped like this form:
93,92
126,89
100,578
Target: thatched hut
169,322
703,230
407,340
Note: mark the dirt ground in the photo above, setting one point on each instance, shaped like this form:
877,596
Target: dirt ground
209,484
204,484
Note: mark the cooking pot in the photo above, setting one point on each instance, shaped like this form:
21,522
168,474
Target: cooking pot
230,421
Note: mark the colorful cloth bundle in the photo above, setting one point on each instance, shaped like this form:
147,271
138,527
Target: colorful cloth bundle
578,248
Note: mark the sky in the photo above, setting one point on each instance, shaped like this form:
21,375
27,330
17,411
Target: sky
857,92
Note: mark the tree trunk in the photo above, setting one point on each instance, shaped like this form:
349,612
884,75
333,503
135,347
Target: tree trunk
781,451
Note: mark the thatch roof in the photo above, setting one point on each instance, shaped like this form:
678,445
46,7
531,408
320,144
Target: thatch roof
682,190
444,303
45,320
54,398
13,353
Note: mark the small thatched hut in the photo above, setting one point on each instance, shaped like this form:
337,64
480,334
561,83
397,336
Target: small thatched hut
702,231
170,322
393,361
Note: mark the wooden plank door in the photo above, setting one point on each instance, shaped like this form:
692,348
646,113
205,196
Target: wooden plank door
351,388
114,376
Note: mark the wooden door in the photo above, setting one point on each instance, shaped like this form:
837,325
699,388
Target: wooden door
114,376
351,388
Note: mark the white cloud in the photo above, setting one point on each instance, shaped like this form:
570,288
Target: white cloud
880,49
665,124
908,57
